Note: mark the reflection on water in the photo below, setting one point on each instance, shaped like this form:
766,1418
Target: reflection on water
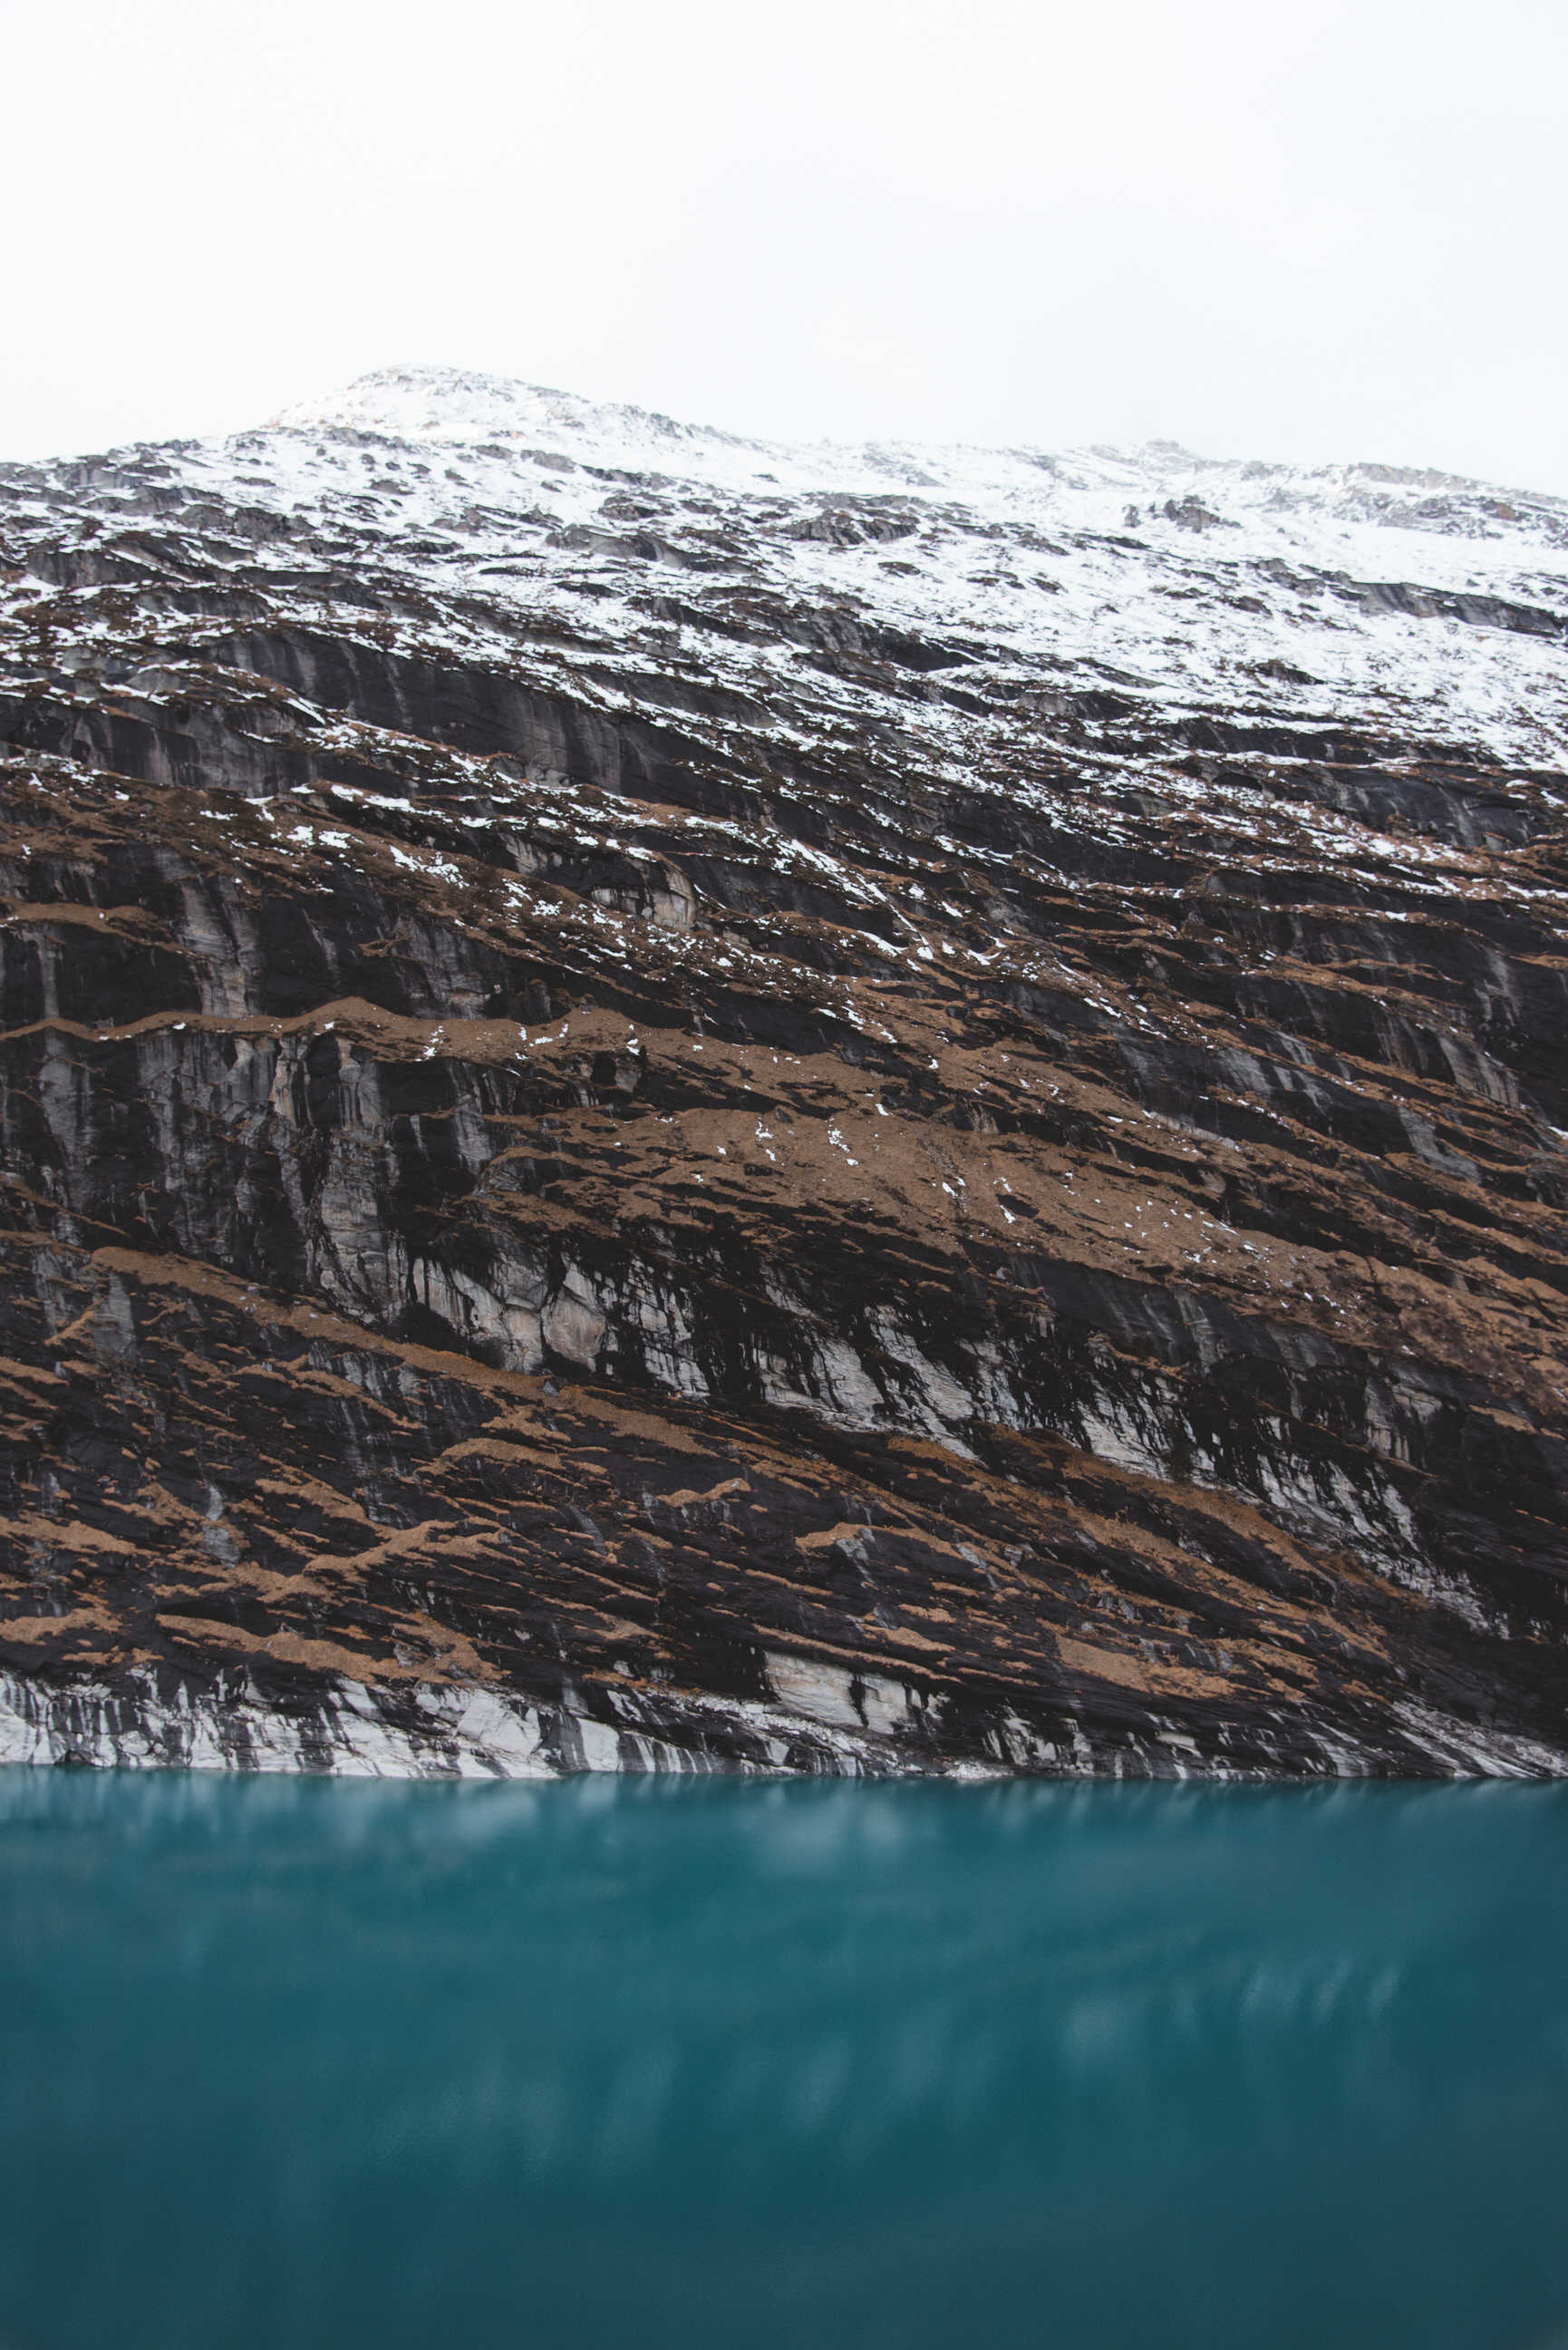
611,2061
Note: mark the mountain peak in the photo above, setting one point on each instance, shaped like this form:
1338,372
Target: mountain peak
464,407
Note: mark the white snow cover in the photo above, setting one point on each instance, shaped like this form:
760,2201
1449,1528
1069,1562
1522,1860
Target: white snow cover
1410,606
1202,583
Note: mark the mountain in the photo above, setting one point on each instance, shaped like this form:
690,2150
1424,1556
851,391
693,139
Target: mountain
676,1103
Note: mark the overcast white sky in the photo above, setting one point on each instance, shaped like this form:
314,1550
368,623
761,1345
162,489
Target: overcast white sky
1328,230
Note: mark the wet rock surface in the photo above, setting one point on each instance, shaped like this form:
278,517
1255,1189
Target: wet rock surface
671,1104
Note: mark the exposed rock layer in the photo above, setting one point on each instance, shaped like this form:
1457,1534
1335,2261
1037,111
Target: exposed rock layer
681,1132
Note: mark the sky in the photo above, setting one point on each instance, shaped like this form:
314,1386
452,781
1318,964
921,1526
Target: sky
1333,230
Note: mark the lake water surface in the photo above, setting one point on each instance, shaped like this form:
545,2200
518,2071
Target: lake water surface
308,2065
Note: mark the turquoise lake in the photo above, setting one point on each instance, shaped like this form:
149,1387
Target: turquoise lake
342,2065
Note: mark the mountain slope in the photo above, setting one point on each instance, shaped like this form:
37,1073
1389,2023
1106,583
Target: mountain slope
669,1101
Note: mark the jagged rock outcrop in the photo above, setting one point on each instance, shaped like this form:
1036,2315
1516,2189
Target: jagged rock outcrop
674,1104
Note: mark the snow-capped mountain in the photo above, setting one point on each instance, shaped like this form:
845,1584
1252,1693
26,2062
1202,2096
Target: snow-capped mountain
675,1100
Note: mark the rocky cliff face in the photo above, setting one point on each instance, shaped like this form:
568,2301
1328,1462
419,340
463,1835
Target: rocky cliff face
675,1104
